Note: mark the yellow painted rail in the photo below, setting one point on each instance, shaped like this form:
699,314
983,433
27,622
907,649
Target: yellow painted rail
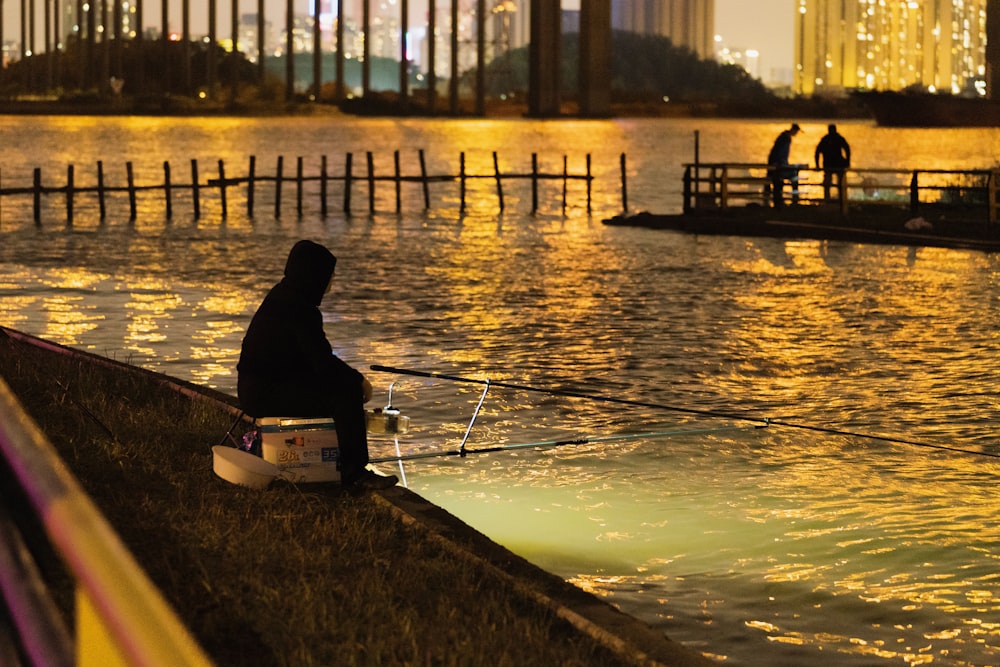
121,617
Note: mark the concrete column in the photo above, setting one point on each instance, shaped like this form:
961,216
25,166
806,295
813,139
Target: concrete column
595,58
544,56
993,49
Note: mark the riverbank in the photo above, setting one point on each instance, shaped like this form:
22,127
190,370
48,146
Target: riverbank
387,104
302,575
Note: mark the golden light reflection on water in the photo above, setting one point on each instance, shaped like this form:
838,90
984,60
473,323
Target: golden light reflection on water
73,279
68,313
67,319
69,303
225,302
13,311
147,314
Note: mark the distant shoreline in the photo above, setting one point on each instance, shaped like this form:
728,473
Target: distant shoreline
388,106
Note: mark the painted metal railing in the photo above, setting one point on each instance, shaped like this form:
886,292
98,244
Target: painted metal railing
121,618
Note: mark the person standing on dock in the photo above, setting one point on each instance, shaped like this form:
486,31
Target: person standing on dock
836,154
778,166
287,367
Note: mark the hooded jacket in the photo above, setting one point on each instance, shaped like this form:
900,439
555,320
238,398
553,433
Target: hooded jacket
287,366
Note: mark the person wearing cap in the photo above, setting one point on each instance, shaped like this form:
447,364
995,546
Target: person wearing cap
287,367
778,166
836,154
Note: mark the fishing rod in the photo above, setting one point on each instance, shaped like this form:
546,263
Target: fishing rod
548,444
563,392
763,421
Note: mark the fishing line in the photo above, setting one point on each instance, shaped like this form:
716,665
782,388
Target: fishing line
475,414
765,421
399,457
548,444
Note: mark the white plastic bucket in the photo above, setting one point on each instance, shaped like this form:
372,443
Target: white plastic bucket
239,467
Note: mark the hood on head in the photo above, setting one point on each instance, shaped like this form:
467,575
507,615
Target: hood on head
309,269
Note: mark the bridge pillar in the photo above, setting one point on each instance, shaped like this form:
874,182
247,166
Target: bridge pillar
543,58
993,49
595,58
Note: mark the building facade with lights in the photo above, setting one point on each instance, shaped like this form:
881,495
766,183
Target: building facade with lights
939,45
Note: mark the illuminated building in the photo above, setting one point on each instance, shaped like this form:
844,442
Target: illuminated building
939,45
75,18
688,23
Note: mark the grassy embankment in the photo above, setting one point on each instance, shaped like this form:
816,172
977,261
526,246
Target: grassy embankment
288,575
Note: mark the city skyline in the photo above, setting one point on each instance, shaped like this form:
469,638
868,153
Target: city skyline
765,27
760,36
939,46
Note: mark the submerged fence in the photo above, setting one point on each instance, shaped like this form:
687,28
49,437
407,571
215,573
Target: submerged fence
222,185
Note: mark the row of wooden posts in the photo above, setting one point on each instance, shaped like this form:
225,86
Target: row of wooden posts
223,182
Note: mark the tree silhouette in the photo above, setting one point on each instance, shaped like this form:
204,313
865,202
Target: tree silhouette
643,66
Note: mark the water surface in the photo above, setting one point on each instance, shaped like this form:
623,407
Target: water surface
796,544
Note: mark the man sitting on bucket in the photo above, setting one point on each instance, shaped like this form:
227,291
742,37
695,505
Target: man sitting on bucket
287,367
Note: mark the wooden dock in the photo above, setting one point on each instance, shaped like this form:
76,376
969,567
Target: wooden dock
925,207
724,185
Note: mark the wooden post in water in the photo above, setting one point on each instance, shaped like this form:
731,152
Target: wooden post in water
624,185
461,180
723,188
687,202
589,182
399,199
842,191
69,195
277,186
251,180
37,190
298,186
565,179
536,176
534,183
322,186
994,186
349,159
131,191
697,161
499,179
371,183
167,192
195,189
100,190
423,179
222,190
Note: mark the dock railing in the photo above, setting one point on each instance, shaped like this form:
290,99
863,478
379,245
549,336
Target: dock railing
974,192
120,617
